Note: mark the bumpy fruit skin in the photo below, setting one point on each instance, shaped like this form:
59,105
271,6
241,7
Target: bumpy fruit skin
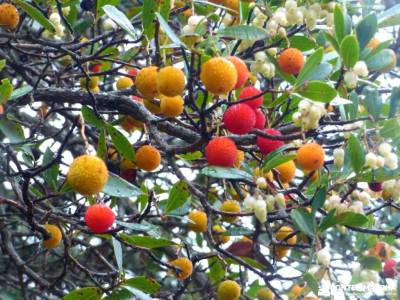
230,206
218,230
287,171
241,69
171,106
291,61
170,81
265,294
99,218
198,221
381,250
221,151
218,75
186,267
310,157
260,119
93,82
267,145
375,186
239,118
152,106
124,83
87,175
146,82
228,290
9,16
390,268
55,236
148,158
250,92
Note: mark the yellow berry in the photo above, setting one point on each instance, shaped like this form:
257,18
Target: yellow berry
228,290
230,206
148,158
286,171
283,233
9,16
295,291
55,236
185,266
198,221
87,175
170,81
218,230
146,82
239,158
280,252
124,83
218,75
265,294
93,82
171,106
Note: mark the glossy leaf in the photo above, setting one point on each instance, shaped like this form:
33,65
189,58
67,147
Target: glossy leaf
118,187
121,143
120,18
339,21
227,173
318,91
148,14
244,32
19,92
168,31
91,118
146,285
278,160
88,293
350,51
366,29
35,14
303,220
178,195
6,90
310,66
118,253
147,242
357,153
371,263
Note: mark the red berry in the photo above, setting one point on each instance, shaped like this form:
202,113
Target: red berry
241,69
267,145
221,151
375,186
129,175
260,119
95,68
133,72
99,218
249,92
390,268
239,118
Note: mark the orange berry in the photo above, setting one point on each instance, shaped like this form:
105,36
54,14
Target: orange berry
124,83
170,81
198,221
291,61
295,291
264,293
153,106
146,82
241,69
129,123
233,5
310,157
280,252
55,236
230,206
283,233
1,109
218,75
185,266
148,158
286,171
239,158
93,82
218,230
9,16
381,250
171,106
228,290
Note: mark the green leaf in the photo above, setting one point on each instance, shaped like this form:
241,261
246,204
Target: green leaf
350,51
147,242
148,13
91,118
227,173
143,227
237,231
321,72
6,90
312,283
165,7
300,42
303,220
102,146
310,66
319,199
366,29
101,3
87,293
318,91
138,293
119,294
146,285
50,175
22,91
243,32
394,101
2,64
119,18
118,253
373,101
118,187
277,160
331,40
83,24
168,30
351,219
178,196
390,17
35,14
382,61
216,270
339,22
12,130
328,221
121,143
357,154
371,263
390,129
191,155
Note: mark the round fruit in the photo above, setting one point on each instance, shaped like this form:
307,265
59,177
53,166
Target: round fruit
381,250
221,151
287,171
228,290
230,206
170,81
218,75
251,92
239,159
93,82
198,221
148,158
9,16
87,5
185,265
129,175
133,72
283,233
375,186
218,230
152,106
99,218
124,83
129,123
171,106
55,236
390,268
233,5
241,70
146,82
94,68
87,175
310,157
239,118
280,252
291,61
264,293
260,119
267,145
295,291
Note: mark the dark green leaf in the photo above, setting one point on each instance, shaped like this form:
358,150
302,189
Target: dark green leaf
310,66
35,14
118,253
118,187
168,30
303,220
318,91
91,118
102,146
332,41
390,129
88,293
83,24
6,90
148,13
2,64
371,263
178,195
216,270
227,173
143,227
138,293
328,221
50,175
300,42
351,219
146,285
373,101
165,8
147,242
121,143
243,32
357,154
339,22
366,29
394,101
319,199
312,283
321,72
119,18
350,51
